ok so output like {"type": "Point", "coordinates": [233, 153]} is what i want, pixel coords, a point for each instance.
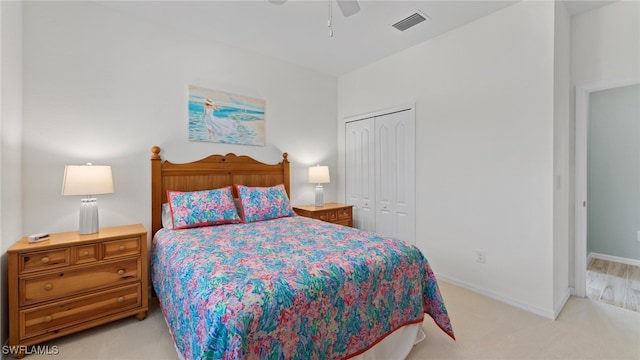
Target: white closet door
{"type": "Point", "coordinates": [395, 175]}
{"type": "Point", "coordinates": [360, 186]}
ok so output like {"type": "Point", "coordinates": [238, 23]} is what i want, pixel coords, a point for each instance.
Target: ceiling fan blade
{"type": "Point", "coordinates": [348, 7]}
{"type": "Point", "coordinates": [278, 2]}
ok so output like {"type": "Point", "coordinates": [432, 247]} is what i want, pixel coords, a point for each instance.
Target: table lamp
{"type": "Point", "coordinates": [319, 175]}
{"type": "Point", "coordinates": [87, 180]}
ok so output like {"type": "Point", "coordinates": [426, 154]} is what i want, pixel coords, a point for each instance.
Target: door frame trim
{"type": "Point", "coordinates": [582, 94]}
{"type": "Point", "coordinates": [411, 107]}
{"type": "Point", "coordinates": [391, 110]}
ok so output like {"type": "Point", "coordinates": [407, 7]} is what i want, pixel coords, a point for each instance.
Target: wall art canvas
{"type": "Point", "coordinates": [222, 117]}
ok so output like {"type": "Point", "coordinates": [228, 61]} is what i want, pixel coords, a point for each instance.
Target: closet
{"type": "Point", "coordinates": [380, 171]}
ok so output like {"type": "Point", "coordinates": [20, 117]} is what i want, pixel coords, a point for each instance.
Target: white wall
{"type": "Point", "coordinates": [484, 97]}
{"type": "Point", "coordinates": [10, 141]}
{"type": "Point", "coordinates": [562, 188]}
{"type": "Point", "coordinates": [605, 44]}
{"type": "Point", "coordinates": [104, 87]}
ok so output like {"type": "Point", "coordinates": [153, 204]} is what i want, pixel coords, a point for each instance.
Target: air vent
{"type": "Point", "coordinates": [411, 20]}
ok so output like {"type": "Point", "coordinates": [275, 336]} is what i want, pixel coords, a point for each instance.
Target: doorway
{"type": "Point", "coordinates": [583, 109]}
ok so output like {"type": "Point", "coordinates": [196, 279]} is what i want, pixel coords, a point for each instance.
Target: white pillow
{"type": "Point", "coordinates": [166, 216]}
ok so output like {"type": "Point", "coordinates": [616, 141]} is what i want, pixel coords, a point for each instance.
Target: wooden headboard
{"type": "Point", "coordinates": [212, 172]}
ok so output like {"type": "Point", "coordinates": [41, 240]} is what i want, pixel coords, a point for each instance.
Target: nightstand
{"type": "Point", "coordinates": [331, 212]}
{"type": "Point", "coordinates": [73, 282]}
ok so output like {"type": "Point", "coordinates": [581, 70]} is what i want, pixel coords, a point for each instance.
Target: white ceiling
{"type": "Point", "coordinates": [297, 31]}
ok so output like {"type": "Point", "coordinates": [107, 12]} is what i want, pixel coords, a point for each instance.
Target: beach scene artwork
{"type": "Point", "coordinates": [222, 117]}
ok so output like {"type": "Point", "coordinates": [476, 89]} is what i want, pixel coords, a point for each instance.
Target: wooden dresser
{"type": "Point", "coordinates": [330, 212]}
{"type": "Point", "coordinates": [73, 282]}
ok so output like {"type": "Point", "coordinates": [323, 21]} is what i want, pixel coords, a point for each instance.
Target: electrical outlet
{"type": "Point", "coordinates": [638, 236]}
{"type": "Point", "coordinates": [481, 256]}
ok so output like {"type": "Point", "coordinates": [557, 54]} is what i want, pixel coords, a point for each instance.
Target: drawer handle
{"type": "Point", "coordinates": [48, 286]}
{"type": "Point", "coordinates": [45, 259]}
{"type": "Point", "coordinates": [85, 253]}
{"type": "Point", "coordinates": [121, 248]}
{"type": "Point", "coordinates": [121, 272]}
{"type": "Point", "coordinates": [121, 299]}
{"type": "Point", "coordinates": [47, 319]}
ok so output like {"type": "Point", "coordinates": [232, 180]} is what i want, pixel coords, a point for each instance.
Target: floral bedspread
{"type": "Point", "coordinates": [292, 288]}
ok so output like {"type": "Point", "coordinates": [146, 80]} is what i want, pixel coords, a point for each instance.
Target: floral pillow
{"type": "Point", "coordinates": [202, 208]}
{"type": "Point", "coordinates": [263, 203]}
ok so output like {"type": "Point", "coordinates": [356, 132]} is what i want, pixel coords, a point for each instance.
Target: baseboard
{"type": "Point", "coordinates": [560, 305]}
{"type": "Point", "coordinates": [618, 259]}
{"type": "Point", "coordinates": [495, 296]}
{"type": "Point", "coordinates": [573, 291]}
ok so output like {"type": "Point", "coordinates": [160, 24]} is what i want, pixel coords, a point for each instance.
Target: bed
{"type": "Point", "coordinates": [280, 287]}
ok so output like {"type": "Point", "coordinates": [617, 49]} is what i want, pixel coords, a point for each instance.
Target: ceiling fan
{"type": "Point", "coordinates": [347, 7]}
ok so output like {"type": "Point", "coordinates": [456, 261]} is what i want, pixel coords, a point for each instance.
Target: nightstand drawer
{"type": "Point", "coordinates": [59, 284]}
{"type": "Point", "coordinates": [330, 216]}
{"type": "Point", "coordinates": [53, 317]}
{"type": "Point", "coordinates": [118, 248]}
{"type": "Point", "coordinates": [332, 212]}
{"type": "Point", "coordinates": [86, 253]}
{"type": "Point", "coordinates": [42, 260]}
{"type": "Point", "coordinates": [343, 222]}
{"type": "Point", "coordinates": [344, 214]}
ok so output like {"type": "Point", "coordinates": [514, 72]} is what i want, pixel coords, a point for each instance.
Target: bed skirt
{"type": "Point", "coordinates": [396, 345]}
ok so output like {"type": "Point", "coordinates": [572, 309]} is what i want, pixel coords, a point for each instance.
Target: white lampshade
{"type": "Point", "coordinates": [87, 180]}
{"type": "Point", "coordinates": [319, 174]}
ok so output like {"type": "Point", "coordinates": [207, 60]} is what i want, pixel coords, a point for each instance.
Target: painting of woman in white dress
{"type": "Point", "coordinates": [221, 117]}
{"type": "Point", "coordinates": [217, 127]}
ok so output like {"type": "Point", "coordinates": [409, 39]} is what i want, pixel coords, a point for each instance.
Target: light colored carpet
{"type": "Point", "coordinates": [485, 329]}
{"type": "Point", "coordinates": [488, 329]}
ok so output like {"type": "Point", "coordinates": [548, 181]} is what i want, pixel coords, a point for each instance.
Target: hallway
{"type": "Point", "coordinates": [614, 283]}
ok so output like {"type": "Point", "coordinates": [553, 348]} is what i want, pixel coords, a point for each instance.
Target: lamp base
{"type": "Point", "coordinates": [319, 196]}
{"type": "Point", "coordinates": [88, 216]}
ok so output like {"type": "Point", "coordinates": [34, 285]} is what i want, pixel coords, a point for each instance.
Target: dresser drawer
{"type": "Point", "coordinates": [74, 282]}
{"type": "Point", "coordinates": [41, 260]}
{"type": "Point", "coordinates": [118, 248]}
{"type": "Point", "coordinates": [63, 283]}
{"type": "Point", "coordinates": [53, 317]}
{"type": "Point", "coordinates": [85, 253]}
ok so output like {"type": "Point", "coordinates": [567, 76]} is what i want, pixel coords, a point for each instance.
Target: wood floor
{"type": "Point", "coordinates": [614, 283]}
